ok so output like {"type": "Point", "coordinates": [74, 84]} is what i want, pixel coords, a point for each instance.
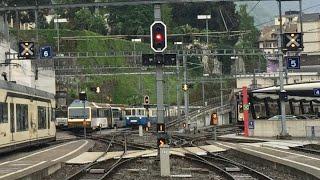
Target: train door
{"type": "Point", "coordinates": [33, 120]}
{"type": "Point", "coordinates": [110, 118]}
{"type": "Point", "coordinates": [12, 121]}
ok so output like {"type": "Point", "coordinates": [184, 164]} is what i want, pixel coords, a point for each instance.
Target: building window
{"type": "Point", "coordinates": [42, 123]}
{"type": "Point", "coordinates": [3, 112]}
{"type": "Point", "coordinates": [22, 117]}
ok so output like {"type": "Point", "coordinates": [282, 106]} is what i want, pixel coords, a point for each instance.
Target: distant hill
{"type": "Point", "coordinates": [266, 11]}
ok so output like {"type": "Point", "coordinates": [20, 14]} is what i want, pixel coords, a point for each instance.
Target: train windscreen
{"type": "Point", "coordinates": [77, 113]}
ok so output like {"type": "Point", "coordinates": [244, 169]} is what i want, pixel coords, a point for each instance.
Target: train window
{"type": "Point", "coordinates": [141, 112]}
{"type": "Point", "coordinates": [42, 120]}
{"type": "Point", "coordinates": [115, 113]}
{"type": "Point", "coordinates": [12, 125]}
{"type": "Point", "coordinates": [94, 113]}
{"type": "Point", "coordinates": [3, 112]}
{"type": "Point", "coordinates": [100, 113]}
{"type": "Point", "coordinates": [128, 112]}
{"type": "Point", "coordinates": [107, 113]}
{"type": "Point", "coordinates": [22, 117]}
{"type": "Point", "coordinates": [77, 113]}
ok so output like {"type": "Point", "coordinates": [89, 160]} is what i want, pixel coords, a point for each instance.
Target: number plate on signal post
{"type": "Point", "coordinates": [46, 52]}
{"type": "Point", "coordinates": [293, 62]}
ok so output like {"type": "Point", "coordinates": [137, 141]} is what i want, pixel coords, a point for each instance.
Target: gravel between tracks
{"type": "Point", "coordinates": [274, 171]}
{"type": "Point", "coordinates": [148, 168]}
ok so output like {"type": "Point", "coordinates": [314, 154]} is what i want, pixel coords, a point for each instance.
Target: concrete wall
{"type": "Point", "coordinates": [23, 73]}
{"type": "Point", "coordinates": [311, 37]}
{"type": "Point", "coordinates": [295, 128]}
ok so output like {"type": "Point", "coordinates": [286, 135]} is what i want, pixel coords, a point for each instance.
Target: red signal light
{"type": "Point", "coordinates": [159, 37]}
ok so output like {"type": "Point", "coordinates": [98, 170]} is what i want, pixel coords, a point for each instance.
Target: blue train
{"type": "Point", "coordinates": [134, 120]}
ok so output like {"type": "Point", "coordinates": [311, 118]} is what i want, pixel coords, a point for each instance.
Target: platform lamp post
{"type": "Point", "coordinates": [235, 58]}
{"type": "Point", "coordinates": [57, 21]}
{"type": "Point", "coordinates": [206, 17]}
{"type": "Point", "coordinates": [135, 60]}
{"type": "Point", "coordinates": [83, 98]}
{"type": "Point", "coordinates": [204, 103]}
{"type": "Point", "coordinates": [179, 43]}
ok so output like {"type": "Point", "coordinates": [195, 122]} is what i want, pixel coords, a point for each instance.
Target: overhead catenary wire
{"type": "Point", "coordinates": [254, 7]}
{"type": "Point", "coordinates": [266, 22]}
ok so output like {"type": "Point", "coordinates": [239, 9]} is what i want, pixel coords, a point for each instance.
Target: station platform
{"type": "Point", "coordinates": [88, 157]}
{"type": "Point", "coordinates": [65, 135]}
{"type": "Point", "coordinates": [277, 151]}
{"type": "Point", "coordinates": [34, 165]}
{"type": "Point", "coordinates": [265, 141]}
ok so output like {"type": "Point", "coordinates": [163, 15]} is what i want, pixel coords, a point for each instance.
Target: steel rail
{"type": "Point", "coordinates": [307, 150]}
{"type": "Point", "coordinates": [84, 170]}
{"type": "Point", "coordinates": [217, 157]}
{"type": "Point", "coordinates": [116, 165]}
{"type": "Point", "coordinates": [220, 160]}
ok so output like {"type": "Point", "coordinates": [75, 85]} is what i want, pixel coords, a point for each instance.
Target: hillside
{"type": "Point", "coordinates": [127, 89]}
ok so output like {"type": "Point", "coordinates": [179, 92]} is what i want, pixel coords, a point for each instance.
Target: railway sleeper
{"type": "Point", "coordinates": [232, 169]}
{"type": "Point", "coordinates": [97, 171]}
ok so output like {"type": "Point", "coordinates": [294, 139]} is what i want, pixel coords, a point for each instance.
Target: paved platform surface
{"type": "Point", "coordinates": [20, 166]}
{"type": "Point", "coordinates": [307, 163]}
{"type": "Point", "coordinates": [88, 157]}
{"type": "Point", "coordinates": [294, 140]}
{"type": "Point", "coordinates": [63, 135]}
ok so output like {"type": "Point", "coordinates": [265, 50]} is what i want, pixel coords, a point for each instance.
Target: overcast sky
{"type": "Point", "coordinates": [266, 11]}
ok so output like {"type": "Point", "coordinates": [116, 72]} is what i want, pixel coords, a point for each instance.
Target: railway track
{"type": "Point", "coordinates": [222, 165]}
{"type": "Point", "coordinates": [311, 149]}
{"type": "Point", "coordinates": [83, 171]}
{"type": "Point", "coordinates": [103, 170]}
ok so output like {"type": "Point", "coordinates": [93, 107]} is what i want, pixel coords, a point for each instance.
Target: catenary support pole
{"type": "Point", "coordinates": [282, 103]}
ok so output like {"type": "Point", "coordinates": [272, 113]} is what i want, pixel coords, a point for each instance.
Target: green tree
{"type": "Point", "coordinates": [82, 19]}
{"type": "Point", "coordinates": [249, 39]}
{"type": "Point", "coordinates": [70, 13]}
{"type": "Point", "coordinates": [85, 20]}
{"type": "Point", "coordinates": [29, 16]}
{"type": "Point", "coordinates": [187, 14]}
{"type": "Point", "coordinates": [130, 20]}
{"type": "Point", "coordinates": [98, 24]}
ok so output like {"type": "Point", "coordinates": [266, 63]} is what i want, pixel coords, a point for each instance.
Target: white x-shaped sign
{"type": "Point", "coordinates": [27, 49]}
{"type": "Point", "coordinates": [293, 40]}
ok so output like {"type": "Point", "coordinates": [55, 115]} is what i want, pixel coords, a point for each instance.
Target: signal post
{"type": "Point", "coordinates": [158, 32]}
{"type": "Point", "coordinates": [214, 122]}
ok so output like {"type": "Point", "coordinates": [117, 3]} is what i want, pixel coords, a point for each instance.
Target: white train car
{"type": "Point", "coordinates": [96, 115]}
{"type": "Point", "coordinates": [118, 116]}
{"type": "Point", "coordinates": [26, 116]}
{"type": "Point", "coordinates": [61, 118]}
